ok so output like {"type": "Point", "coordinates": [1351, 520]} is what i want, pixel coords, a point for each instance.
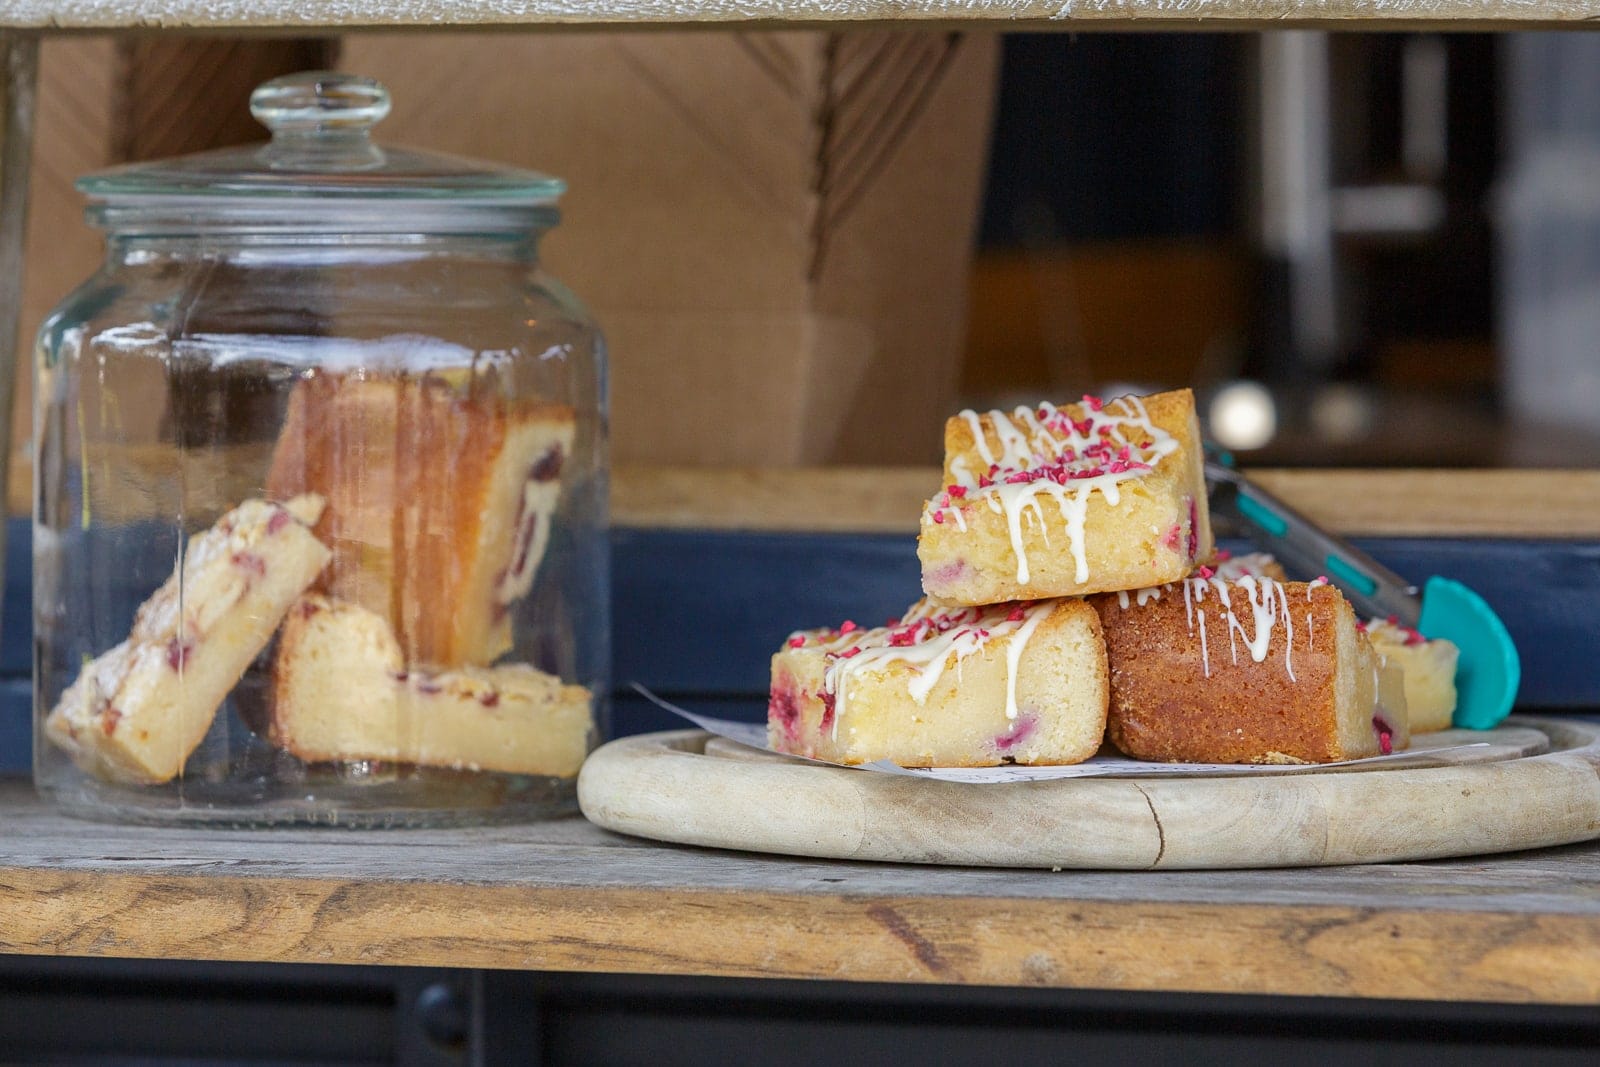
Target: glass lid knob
{"type": "Point", "coordinates": [319, 101]}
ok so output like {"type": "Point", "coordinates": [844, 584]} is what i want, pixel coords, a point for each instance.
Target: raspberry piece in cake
{"type": "Point", "coordinates": [946, 686]}
{"type": "Point", "coordinates": [136, 712]}
{"type": "Point", "coordinates": [1049, 501]}
{"type": "Point", "coordinates": [341, 691]}
{"type": "Point", "coordinates": [1249, 671]}
{"type": "Point", "coordinates": [1429, 668]}
{"type": "Point", "coordinates": [439, 502]}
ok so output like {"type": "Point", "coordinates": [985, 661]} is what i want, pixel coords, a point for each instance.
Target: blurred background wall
{"type": "Point", "coordinates": [810, 247]}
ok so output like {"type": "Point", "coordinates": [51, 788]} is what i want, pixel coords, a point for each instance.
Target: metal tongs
{"type": "Point", "coordinates": [1489, 669]}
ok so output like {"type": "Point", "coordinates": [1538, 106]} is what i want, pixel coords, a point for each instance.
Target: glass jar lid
{"type": "Point", "coordinates": [320, 170]}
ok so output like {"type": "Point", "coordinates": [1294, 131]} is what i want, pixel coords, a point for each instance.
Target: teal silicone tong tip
{"type": "Point", "coordinates": [1490, 670]}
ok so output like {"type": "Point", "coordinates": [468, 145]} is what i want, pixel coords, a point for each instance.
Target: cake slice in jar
{"type": "Point", "coordinates": [1046, 502]}
{"type": "Point", "coordinates": [1255, 670]}
{"type": "Point", "coordinates": [946, 686]}
{"type": "Point", "coordinates": [136, 712]}
{"type": "Point", "coordinates": [440, 502]}
{"type": "Point", "coordinates": [341, 691]}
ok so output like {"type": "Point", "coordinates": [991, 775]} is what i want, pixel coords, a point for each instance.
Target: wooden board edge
{"type": "Point", "coordinates": [660, 786]}
{"type": "Point", "coordinates": [1194, 948]}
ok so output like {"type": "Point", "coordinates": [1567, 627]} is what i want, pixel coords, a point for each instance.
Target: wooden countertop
{"type": "Point", "coordinates": [1006, 14]}
{"type": "Point", "coordinates": [568, 896]}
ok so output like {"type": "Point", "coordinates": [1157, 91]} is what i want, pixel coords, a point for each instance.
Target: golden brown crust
{"type": "Point", "coordinates": [1173, 699]}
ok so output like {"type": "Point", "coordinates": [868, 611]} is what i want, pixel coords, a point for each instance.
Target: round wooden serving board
{"type": "Point", "coordinates": [1536, 784]}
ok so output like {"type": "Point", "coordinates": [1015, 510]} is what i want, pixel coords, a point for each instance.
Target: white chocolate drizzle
{"type": "Point", "coordinates": [1045, 452]}
{"type": "Point", "coordinates": [1142, 596]}
{"type": "Point", "coordinates": [1268, 600]}
{"type": "Point", "coordinates": [927, 638]}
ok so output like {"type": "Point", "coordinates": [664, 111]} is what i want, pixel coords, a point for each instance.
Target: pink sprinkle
{"type": "Point", "coordinates": [1206, 572]}
{"type": "Point", "coordinates": [1016, 614]}
{"type": "Point", "coordinates": [1223, 555]}
{"type": "Point", "coordinates": [851, 652]}
{"type": "Point", "coordinates": [279, 520]}
{"type": "Point", "coordinates": [892, 622]}
{"type": "Point", "coordinates": [957, 491]}
{"type": "Point", "coordinates": [984, 482]}
{"type": "Point", "coordinates": [1361, 626]}
{"type": "Point", "coordinates": [938, 517]}
{"type": "Point", "coordinates": [489, 699]}
{"type": "Point", "coordinates": [1093, 403]}
{"type": "Point", "coordinates": [847, 627]}
{"type": "Point", "coordinates": [1415, 638]}
{"type": "Point", "coordinates": [797, 641]}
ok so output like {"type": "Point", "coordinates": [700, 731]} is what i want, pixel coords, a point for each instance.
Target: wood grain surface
{"type": "Point", "coordinates": [1013, 14]}
{"type": "Point", "coordinates": [1467, 503]}
{"type": "Point", "coordinates": [1440, 503]}
{"type": "Point", "coordinates": [566, 895]}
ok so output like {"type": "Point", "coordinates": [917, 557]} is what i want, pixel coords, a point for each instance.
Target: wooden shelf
{"type": "Point", "coordinates": [1003, 14]}
{"type": "Point", "coordinates": [1383, 503]}
{"type": "Point", "coordinates": [568, 896]}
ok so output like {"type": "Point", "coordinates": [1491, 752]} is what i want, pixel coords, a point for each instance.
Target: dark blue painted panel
{"type": "Point", "coordinates": [698, 613]}
{"type": "Point", "coordinates": [16, 611]}
{"type": "Point", "coordinates": [701, 613]}
{"type": "Point", "coordinates": [16, 726]}
{"type": "Point", "coordinates": [1547, 593]}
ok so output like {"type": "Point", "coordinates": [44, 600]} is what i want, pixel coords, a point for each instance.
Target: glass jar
{"type": "Point", "coordinates": [320, 524]}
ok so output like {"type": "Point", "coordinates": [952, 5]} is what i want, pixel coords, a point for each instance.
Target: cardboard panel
{"type": "Point", "coordinates": [772, 228]}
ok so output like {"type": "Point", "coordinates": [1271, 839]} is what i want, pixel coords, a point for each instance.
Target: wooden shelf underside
{"type": "Point", "coordinates": [759, 14]}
